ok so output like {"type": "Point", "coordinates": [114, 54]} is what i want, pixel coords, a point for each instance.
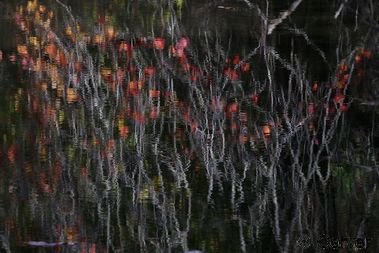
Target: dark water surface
{"type": "Point", "coordinates": [189, 126]}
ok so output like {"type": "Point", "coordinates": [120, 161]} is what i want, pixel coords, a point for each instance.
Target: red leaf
{"type": "Point", "coordinates": [339, 99]}
{"type": "Point", "coordinates": [159, 43]}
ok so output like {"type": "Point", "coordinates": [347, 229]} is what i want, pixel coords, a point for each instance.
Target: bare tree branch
{"type": "Point", "coordinates": [282, 17]}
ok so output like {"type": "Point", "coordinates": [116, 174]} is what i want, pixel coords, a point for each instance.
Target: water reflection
{"type": "Point", "coordinates": [122, 139]}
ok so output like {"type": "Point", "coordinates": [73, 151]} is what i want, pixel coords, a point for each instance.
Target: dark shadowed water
{"type": "Point", "coordinates": [189, 126]}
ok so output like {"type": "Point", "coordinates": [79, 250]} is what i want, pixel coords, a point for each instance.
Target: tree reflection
{"type": "Point", "coordinates": [166, 142]}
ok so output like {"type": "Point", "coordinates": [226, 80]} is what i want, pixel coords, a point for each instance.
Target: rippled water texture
{"type": "Point", "coordinates": [189, 126]}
